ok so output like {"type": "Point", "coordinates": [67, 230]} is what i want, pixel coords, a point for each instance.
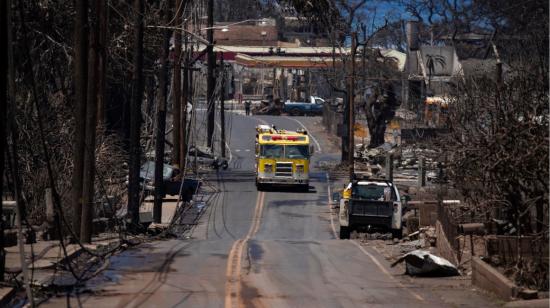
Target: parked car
{"type": "Point", "coordinates": [171, 180]}
{"type": "Point", "coordinates": [313, 106]}
{"type": "Point", "coordinates": [205, 157]}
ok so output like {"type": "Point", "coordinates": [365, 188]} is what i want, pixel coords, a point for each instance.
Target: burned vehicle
{"type": "Point", "coordinates": [171, 181]}
{"type": "Point", "coordinates": [204, 156]}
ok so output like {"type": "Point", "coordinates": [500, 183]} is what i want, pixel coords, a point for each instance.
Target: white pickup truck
{"type": "Point", "coordinates": [370, 203]}
{"type": "Point", "coordinates": [313, 106]}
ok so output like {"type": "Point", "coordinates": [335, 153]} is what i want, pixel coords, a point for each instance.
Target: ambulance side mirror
{"type": "Point", "coordinates": [311, 150]}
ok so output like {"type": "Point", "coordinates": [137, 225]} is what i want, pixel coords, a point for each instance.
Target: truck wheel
{"type": "Point", "coordinates": [397, 233]}
{"type": "Point", "coordinates": [344, 233]}
{"type": "Point", "coordinates": [260, 187]}
{"type": "Point", "coordinates": [295, 112]}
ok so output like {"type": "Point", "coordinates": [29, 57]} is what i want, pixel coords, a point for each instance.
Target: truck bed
{"type": "Point", "coordinates": [360, 207]}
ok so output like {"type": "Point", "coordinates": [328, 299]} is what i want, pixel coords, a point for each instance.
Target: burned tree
{"type": "Point", "coordinates": [380, 109]}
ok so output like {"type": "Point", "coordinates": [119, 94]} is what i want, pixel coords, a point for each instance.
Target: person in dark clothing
{"type": "Point", "coordinates": [247, 107]}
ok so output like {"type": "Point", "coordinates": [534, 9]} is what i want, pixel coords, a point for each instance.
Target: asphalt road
{"type": "Point", "coordinates": [262, 249]}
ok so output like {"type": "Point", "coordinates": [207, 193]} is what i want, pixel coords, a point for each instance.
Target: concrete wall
{"type": "Point", "coordinates": [444, 249]}
{"type": "Point", "coordinates": [489, 279]}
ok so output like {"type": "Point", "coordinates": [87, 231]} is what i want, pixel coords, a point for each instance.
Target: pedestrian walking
{"type": "Point", "coordinates": [247, 107]}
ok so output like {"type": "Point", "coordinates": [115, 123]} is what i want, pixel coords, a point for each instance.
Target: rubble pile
{"type": "Point", "coordinates": [409, 157]}
{"type": "Point", "coordinates": [374, 155]}
{"type": "Point", "coordinates": [423, 263]}
{"type": "Point", "coordinates": [405, 114]}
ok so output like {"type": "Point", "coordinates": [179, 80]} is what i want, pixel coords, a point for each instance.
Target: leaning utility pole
{"type": "Point", "coordinates": [91, 124]}
{"type": "Point", "coordinates": [351, 102]}
{"type": "Point", "coordinates": [176, 84]}
{"type": "Point", "coordinates": [80, 88]}
{"type": "Point", "coordinates": [13, 160]}
{"type": "Point", "coordinates": [135, 115]}
{"type": "Point", "coordinates": [161, 119]}
{"type": "Point", "coordinates": [210, 78]}
{"type": "Point", "coordinates": [222, 107]}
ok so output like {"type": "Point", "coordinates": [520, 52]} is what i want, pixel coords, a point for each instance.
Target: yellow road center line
{"type": "Point", "coordinates": [233, 270]}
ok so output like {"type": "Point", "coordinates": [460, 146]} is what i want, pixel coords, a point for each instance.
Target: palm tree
{"type": "Point", "coordinates": [431, 62]}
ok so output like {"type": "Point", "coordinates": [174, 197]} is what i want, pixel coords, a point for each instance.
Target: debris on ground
{"type": "Point", "coordinates": [374, 155]}
{"type": "Point", "coordinates": [379, 236]}
{"type": "Point", "coordinates": [269, 107]}
{"type": "Point", "coordinates": [423, 263]}
{"type": "Point", "coordinates": [409, 246]}
{"type": "Point", "coordinates": [422, 238]}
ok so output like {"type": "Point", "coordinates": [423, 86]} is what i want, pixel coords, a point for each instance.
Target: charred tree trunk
{"type": "Point", "coordinates": [161, 119]}
{"type": "Point", "coordinates": [135, 115]}
{"type": "Point", "coordinates": [80, 88]}
{"type": "Point", "coordinates": [379, 109]}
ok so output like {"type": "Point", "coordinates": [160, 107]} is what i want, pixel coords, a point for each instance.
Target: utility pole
{"type": "Point", "coordinates": [80, 89]}
{"type": "Point", "coordinates": [4, 26]}
{"type": "Point", "coordinates": [421, 172]}
{"type": "Point", "coordinates": [161, 120]}
{"type": "Point", "coordinates": [90, 131]}
{"type": "Point", "coordinates": [13, 160]}
{"type": "Point", "coordinates": [103, 17]}
{"type": "Point", "coordinates": [183, 111]}
{"type": "Point", "coordinates": [210, 80]}
{"type": "Point", "coordinates": [176, 97]}
{"type": "Point", "coordinates": [222, 107]}
{"type": "Point", "coordinates": [351, 102]}
{"type": "Point", "coordinates": [193, 119]}
{"type": "Point", "coordinates": [135, 115]}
